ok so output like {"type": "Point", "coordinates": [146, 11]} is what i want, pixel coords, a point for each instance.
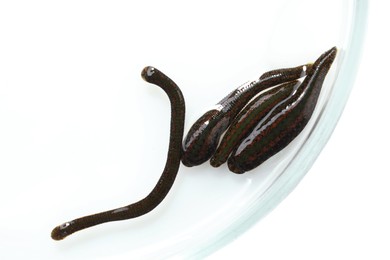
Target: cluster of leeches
{"type": "Point", "coordinates": [256, 120]}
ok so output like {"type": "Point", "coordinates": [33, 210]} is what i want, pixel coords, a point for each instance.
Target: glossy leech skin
{"type": "Point", "coordinates": [286, 121]}
{"type": "Point", "coordinates": [249, 117]}
{"type": "Point", "coordinates": [164, 184]}
{"type": "Point", "coordinates": [274, 119]}
{"type": "Point", "coordinates": [204, 135]}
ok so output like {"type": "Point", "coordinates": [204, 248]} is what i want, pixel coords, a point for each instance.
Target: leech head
{"type": "Point", "coordinates": [306, 68]}
{"type": "Point", "coordinates": [147, 73]}
{"type": "Point", "coordinates": [62, 231]}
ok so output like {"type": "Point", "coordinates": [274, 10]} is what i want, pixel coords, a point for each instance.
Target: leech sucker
{"type": "Point", "coordinates": [204, 135]}
{"type": "Point", "coordinates": [287, 120]}
{"type": "Point", "coordinates": [164, 184]}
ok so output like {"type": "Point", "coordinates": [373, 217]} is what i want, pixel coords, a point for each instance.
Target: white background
{"type": "Point", "coordinates": [341, 209]}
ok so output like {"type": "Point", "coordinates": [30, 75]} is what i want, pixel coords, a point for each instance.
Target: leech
{"type": "Point", "coordinates": [164, 184]}
{"type": "Point", "coordinates": [278, 128]}
{"type": "Point", "coordinates": [249, 117]}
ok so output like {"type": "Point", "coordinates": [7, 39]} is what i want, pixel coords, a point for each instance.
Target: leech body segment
{"type": "Point", "coordinates": [260, 119]}
{"type": "Point", "coordinates": [164, 184]}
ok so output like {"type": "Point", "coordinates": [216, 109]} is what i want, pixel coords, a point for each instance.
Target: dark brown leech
{"type": "Point", "coordinates": [249, 117]}
{"type": "Point", "coordinates": [287, 120]}
{"type": "Point", "coordinates": [167, 178]}
{"type": "Point", "coordinates": [203, 137]}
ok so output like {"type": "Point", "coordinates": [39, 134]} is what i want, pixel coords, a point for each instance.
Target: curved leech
{"type": "Point", "coordinates": [164, 184]}
{"type": "Point", "coordinates": [203, 137]}
{"type": "Point", "coordinates": [288, 119]}
{"type": "Point", "coordinates": [249, 117]}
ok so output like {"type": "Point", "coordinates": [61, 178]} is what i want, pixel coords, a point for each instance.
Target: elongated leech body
{"type": "Point", "coordinates": [203, 137]}
{"type": "Point", "coordinates": [285, 122]}
{"type": "Point", "coordinates": [249, 117]}
{"type": "Point", "coordinates": [164, 184]}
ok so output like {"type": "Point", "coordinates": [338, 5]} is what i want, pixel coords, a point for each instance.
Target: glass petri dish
{"type": "Point", "coordinates": [208, 49]}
